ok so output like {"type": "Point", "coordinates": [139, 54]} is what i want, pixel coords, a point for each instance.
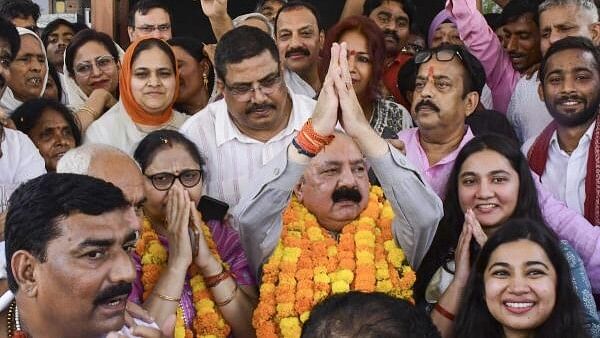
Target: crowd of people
{"type": "Point", "coordinates": [369, 179]}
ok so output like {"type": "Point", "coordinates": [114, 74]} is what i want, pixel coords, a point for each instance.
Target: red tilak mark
{"type": "Point", "coordinates": [352, 52]}
{"type": "Point", "coordinates": [430, 71]}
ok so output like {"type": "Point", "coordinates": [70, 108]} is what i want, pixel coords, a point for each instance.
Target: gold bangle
{"type": "Point", "coordinates": [231, 297]}
{"type": "Point", "coordinates": [167, 298]}
{"type": "Point", "coordinates": [88, 110]}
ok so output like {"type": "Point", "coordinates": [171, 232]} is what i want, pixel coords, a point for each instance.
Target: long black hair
{"type": "Point", "coordinates": [566, 319]}
{"type": "Point", "coordinates": [450, 227]}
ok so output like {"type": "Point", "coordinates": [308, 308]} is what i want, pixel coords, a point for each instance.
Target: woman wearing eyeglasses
{"type": "Point", "coordinates": [366, 54]}
{"type": "Point", "coordinates": [148, 86]}
{"type": "Point", "coordinates": [186, 268]}
{"type": "Point", "coordinates": [91, 78]}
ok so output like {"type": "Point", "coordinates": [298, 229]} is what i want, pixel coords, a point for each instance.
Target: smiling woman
{"type": "Point", "coordinates": [148, 85]}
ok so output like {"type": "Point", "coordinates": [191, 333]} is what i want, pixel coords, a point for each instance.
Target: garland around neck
{"type": "Point", "coordinates": [308, 265]}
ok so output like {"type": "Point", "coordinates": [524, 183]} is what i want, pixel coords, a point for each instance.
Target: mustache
{"type": "Point", "coordinates": [300, 50]}
{"type": "Point", "coordinates": [112, 292]}
{"type": "Point", "coordinates": [261, 106]}
{"type": "Point", "coordinates": [346, 194]}
{"type": "Point", "coordinates": [391, 33]}
{"type": "Point", "coordinates": [573, 97]}
{"type": "Point", "coordinates": [427, 103]}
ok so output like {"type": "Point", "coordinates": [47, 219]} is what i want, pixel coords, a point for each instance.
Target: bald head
{"type": "Point", "coordinates": [109, 164]}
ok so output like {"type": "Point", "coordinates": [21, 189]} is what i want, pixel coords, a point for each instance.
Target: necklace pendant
{"type": "Point", "coordinates": [19, 334]}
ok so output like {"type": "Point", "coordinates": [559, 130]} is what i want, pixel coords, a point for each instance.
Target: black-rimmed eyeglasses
{"type": "Point", "coordinates": [443, 55]}
{"type": "Point", "coordinates": [164, 181]}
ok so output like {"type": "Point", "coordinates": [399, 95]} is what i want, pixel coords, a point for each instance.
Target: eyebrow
{"type": "Point", "coordinates": [527, 263]}
{"type": "Point", "coordinates": [259, 80]}
{"type": "Point", "coordinates": [493, 172]}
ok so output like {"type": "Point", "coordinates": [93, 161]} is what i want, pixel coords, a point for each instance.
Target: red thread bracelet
{"type": "Point", "coordinates": [447, 314]}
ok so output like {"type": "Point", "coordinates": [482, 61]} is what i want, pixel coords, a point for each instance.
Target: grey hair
{"type": "Point", "coordinates": [239, 21]}
{"type": "Point", "coordinates": [585, 5]}
{"type": "Point", "coordinates": [77, 160]}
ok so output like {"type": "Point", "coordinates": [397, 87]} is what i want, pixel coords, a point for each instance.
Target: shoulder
{"type": "Point", "coordinates": [205, 118]}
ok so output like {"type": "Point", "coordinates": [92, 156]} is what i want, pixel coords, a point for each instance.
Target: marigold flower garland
{"type": "Point", "coordinates": [308, 265]}
{"type": "Point", "coordinates": [208, 321]}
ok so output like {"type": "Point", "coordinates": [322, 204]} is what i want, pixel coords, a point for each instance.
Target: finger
{"type": "Point", "coordinates": [335, 56]}
{"type": "Point", "coordinates": [344, 68]}
{"type": "Point", "coordinates": [146, 332]}
{"type": "Point", "coordinates": [115, 335]}
{"type": "Point", "coordinates": [138, 312]}
{"type": "Point", "coordinates": [169, 211]}
{"type": "Point", "coordinates": [168, 326]}
{"type": "Point", "coordinates": [398, 144]}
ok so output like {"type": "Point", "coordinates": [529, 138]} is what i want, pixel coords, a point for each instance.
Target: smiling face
{"type": "Point", "coordinates": [53, 136]}
{"type": "Point", "coordinates": [335, 186]}
{"type": "Point", "coordinates": [58, 41]}
{"type": "Point", "coordinates": [299, 40]}
{"type": "Point", "coordinates": [153, 80]}
{"type": "Point", "coordinates": [84, 283]}
{"type": "Point", "coordinates": [520, 286]}
{"type": "Point", "coordinates": [522, 42]}
{"type": "Point", "coordinates": [570, 87]}
{"type": "Point", "coordinates": [489, 185]}
{"type": "Point", "coordinates": [88, 75]}
{"type": "Point", "coordinates": [29, 69]}
{"type": "Point", "coordinates": [172, 160]}
{"type": "Point", "coordinates": [359, 61]}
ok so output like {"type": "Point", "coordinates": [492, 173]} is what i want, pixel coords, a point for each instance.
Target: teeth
{"type": "Point", "coordinates": [114, 302]}
{"type": "Point", "coordinates": [486, 206]}
{"type": "Point", "coordinates": [570, 103]}
{"type": "Point", "coordinates": [519, 305]}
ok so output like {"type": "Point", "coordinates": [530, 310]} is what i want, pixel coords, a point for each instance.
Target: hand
{"type": "Point", "coordinates": [462, 255]}
{"type": "Point", "coordinates": [398, 144]}
{"type": "Point", "coordinates": [166, 331]}
{"type": "Point", "coordinates": [476, 228]}
{"type": "Point", "coordinates": [214, 8]}
{"type": "Point", "coordinates": [325, 115]}
{"type": "Point", "coordinates": [204, 256]}
{"type": "Point", "coordinates": [353, 119]}
{"type": "Point", "coordinates": [177, 218]}
{"type": "Point", "coordinates": [5, 120]}
{"type": "Point", "coordinates": [531, 70]}
{"type": "Point", "coordinates": [103, 96]}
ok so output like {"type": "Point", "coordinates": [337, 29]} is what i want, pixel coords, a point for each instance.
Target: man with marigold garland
{"type": "Point", "coordinates": [335, 235]}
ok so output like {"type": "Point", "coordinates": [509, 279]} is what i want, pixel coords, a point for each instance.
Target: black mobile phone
{"type": "Point", "coordinates": [212, 208]}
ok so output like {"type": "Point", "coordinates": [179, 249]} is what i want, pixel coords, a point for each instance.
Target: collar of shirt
{"type": "Point", "coordinates": [226, 130]}
{"type": "Point", "coordinates": [584, 141]}
{"type": "Point", "coordinates": [452, 155]}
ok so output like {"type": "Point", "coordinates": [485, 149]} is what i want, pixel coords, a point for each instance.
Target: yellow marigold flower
{"type": "Point", "coordinates": [332, 251]}
{"type": "Point", "coordinates": [322, 278]}
{"type": "Point", "coordinates": [314, 234]}
{"type": "Point", "coordinates": [285, 309]}
{"type": "Point", "coordinates": [290, 327]}
{"type": "Point", "coordinates": [364, 257]}
{"type": "Point", "coordinates": [345, 275]}
{"type": "Point", "coordinates": [377, 190]}
{"type": "Point", "coordinates": [387, 211]}
{"type": "Point", "coordinates": [339, 286]}
{"type": "Point", "coordinates": [382, 274]}
{"type": "Point", "coordinates": [395, 257]}
{"type": "Point", "coordinates": [367, 220]}
{"type": "Point", "coordinates": [205, 306]}
{"type": "Point", "coordinates": [384, 286]}
{"type": "Point", "coordinates": [304, 316]}
{"type": "Point", "coordinates": [389, 245]}
{"type": "Point", "coordinates": [267, 288]}
{"type": "Point", "coordinates": [364, 234]}
{"type": "Point", "coordinates": [320, 295]}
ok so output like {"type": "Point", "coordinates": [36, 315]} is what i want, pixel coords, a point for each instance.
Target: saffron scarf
{"type": "Point", "coordinates": [134, 109]}
{"type": "Point", "coordinates": [538, 156]}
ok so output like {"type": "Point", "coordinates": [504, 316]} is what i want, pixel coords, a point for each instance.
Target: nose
{"type": "Point", "coordinates": [95, 70]}
{"type": "Point", "coordinates": [257, 95]}
{"type": "Point", "coordinates": [352, 63]}
{"type": "Point", "coordinates": [484, 190]}
{"type": "Point", "coordinates": [347, 178]}
{"type": "Point", "coordinates": [123, 269]}
{"type": "Point", "coordinates": [568, 85]}
{"type": "Point", "coordinates": [36, 65]}
{"type": "Point", "coordinates": [156, 34]}
{"type": "Point", "coordinates": [154, 80]}
{"type": "Point", "coordinates": [518, 285]}
{"type": "Point", "coordinates": [511, 43]}
{"type": "Point", "coordinates": [555, 36]}
{"type": "Point", "coordinates": [133, 219]}
{"type": "Point", "coordinates": [60, 140]}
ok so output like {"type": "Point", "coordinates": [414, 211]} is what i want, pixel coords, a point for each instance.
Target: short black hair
{"type": "Point", "coordinates": [52, 26]}
{"type": "Point", "coordinates": [27, 115]}
{"type": "Point", "coordinates": [83, 37]}
{"type": "Point", "coordinates": [36, 208]}
{"type": "Point", "coordinates": [475, 79]}
{"type": "Point", "coordinates": [242, 43]}
{"type": "Point", "coordinates": [195, 48]}
{"type": "Point", "coordinates": [493, 20]}
{"type": "Point", "coordinates": [295, 5]}
{"type": "Point", "coordinates": [408, 6]}
{"type": "Point", "coordinates": [261, 3]}
{"type": "Point", "coordinates": [9, 33]}
{"type": "Point", "coordinates": [407, 76]}
{"type": "Point", "coordinates": [11, 9]}
{"type": "Point", "coordinates": [570, 42]}
{"type": "Point", "coordinates": [518, 8]}
{"type": "Point", "coordinates": [164, 138]}
{"type": "Point", "coordinates": [143, 6]}
{"type": "Point", "coordinates": [369, 315]}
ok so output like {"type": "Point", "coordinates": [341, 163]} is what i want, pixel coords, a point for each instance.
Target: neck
{"type": "Point", "coordinates": [311, 76]}
{"type": "Point", "coordinates": [568, 137]}
{"type": "Point", "coordinates": [196, 103]}
{"type": "Point", "coordinates": [264, 135]}
{"type": "Point", "coordinates": [367, 107]}
{"type": "Point", "coordinates": [439, 143]}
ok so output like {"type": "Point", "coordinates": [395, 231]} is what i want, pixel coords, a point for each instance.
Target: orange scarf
{"type": "Point", "coordinates": [134, 109]}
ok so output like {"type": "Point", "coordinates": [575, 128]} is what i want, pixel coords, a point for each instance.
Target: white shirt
{"type": "Point", "coordinates": [297, 85]}
{"type": "Point", "coordinates": [486, 98]}
{"type": "Point", "coordinates": [526, 112]}
{"type": "Point", "coordinates": [233, 158]}
{"type": "Point", "coordinates": [20, 162]}
{"type": "Point", "coordinates": [564, 175]}
{"type": "Point", "coordinates": [117, 129]}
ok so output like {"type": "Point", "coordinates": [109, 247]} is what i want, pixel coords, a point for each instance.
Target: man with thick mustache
{"type": "Point", "coordinates": [67, 252]}
{"type": "Point", "coordinates": [255, 121]}
{"type": "Point", "coordinates": [446, 91]}
{"type": "Point", "coordinates": [565, 154]}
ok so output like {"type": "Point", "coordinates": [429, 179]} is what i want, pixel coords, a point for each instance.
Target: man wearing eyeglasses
{"type": "Point", "coordinates": [149, 19]}
{"type": "Point", "coordinates": [255, 121]}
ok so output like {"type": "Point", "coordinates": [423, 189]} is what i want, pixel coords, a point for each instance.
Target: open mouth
{"type": "Point", "coordinates": [34, 82]}
{"type": "Point", "coordinates": [487, 207]}
{"type": "Point", "coordinates": [518, 307]}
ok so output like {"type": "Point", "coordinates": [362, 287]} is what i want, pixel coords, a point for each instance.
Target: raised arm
{"type": "Point", "coordinates": [501, 77]}
{"type": "Point", "coordinates": [216, 11]}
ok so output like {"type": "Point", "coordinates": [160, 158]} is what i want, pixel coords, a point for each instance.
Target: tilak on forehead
{"type": "Point", "coordinates": [430, 72]}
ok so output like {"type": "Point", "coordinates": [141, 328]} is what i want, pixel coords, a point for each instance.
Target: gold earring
{"type": "Point", "coordinates": [205, 79]}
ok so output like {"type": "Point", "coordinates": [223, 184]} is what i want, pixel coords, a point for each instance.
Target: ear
{"type": "Point", "coordinates": [471, 101]}
{"type": "Point", "coordinates": [298, 189]}
{"type": "Point", "coordinates": [205, 66]}
{"type": "Point", "coordinates": [540, 91]}
{"type": "Point", "coordinates": [595, 33]}
{"type": "Point", "coordinates": [220, 86]}
{"type": "Point", "coordinates": [130, 33]}
{"type": "Point", "coordinates": [24, 267]}
{"type": "Point", "coordinates": [321, 39]}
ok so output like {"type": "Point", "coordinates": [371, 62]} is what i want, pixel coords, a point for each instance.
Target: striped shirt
{"type": "Point", "coordinates": [233, 159]}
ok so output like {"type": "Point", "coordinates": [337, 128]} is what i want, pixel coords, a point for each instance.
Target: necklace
{"type": "Point", "coordinates": [13, 325]}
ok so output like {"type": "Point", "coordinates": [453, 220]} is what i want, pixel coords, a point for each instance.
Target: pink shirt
{"type": "Point", "coordinates": [566, 223]}
{"type": "Point", "coordinates": [483, 43]}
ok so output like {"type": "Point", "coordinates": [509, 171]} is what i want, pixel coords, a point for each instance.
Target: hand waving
{"type": "Point", "coordinates": [214, 8]}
